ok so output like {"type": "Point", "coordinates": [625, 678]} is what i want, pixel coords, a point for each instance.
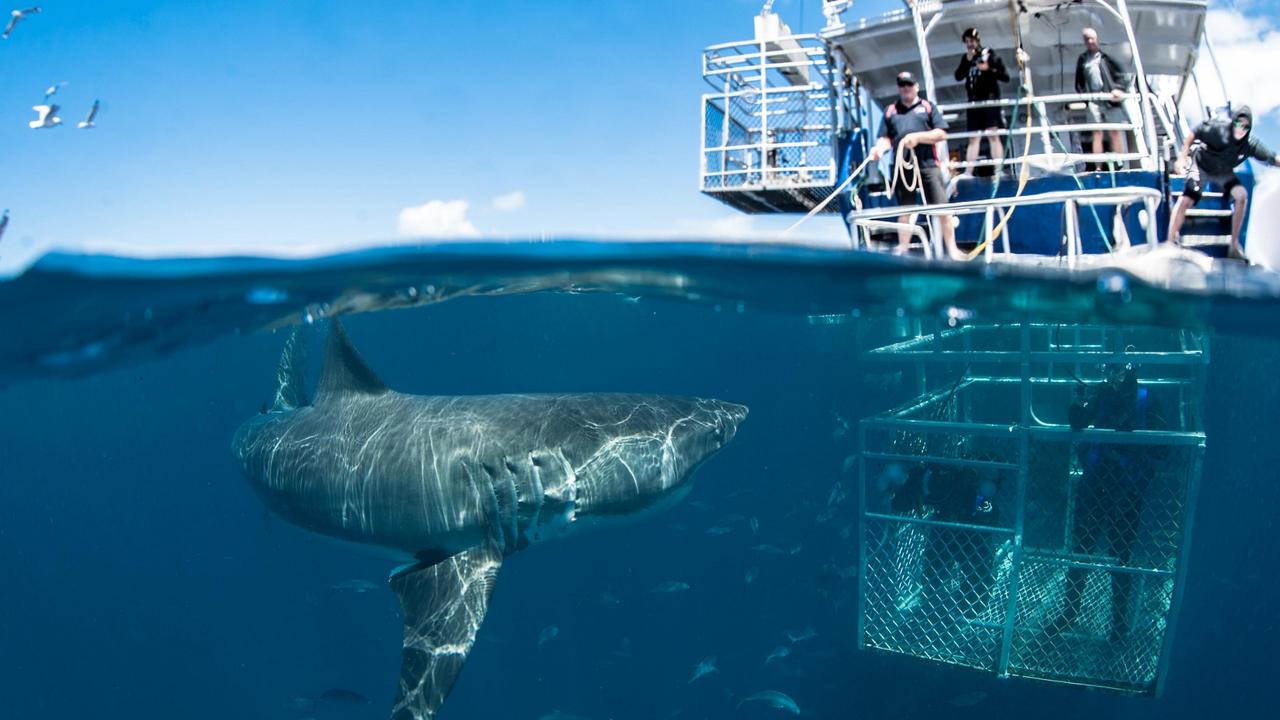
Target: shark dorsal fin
{"type": "Point", "coordinates": [291, 391]}
{"type": "Point", "coordinates": [345, 372]}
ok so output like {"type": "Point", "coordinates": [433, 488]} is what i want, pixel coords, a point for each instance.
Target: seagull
{"type": "Point", "coordinates": [52, 90]}
{"type": "Point", "coordinates": [48, 117]}
{"type": "Point", "coordinates": [88, 122]}
{"type": "Point", "coordinates": [15, 16]}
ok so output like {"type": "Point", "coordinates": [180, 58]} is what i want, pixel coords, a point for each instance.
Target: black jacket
{"type": "Point", "coordinates": [982, 85]}
{"type": "Point", "coordinates": [1113, 77]}
{"type": "Point", "coordinates": [1217, 151]}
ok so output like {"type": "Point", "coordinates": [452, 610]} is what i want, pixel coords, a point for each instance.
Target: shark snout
{"type": "Point", "coordinates": [728, 417]}
{"type": "Point", "coordinates": [715, 423]}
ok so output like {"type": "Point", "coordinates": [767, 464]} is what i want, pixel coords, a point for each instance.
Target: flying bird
{"type": "Point", "coordinates": [48, 117]}
{"type": "Point", "coordinates": [88, 121]}
{"type": "Point", "coordinates": [15, 16]}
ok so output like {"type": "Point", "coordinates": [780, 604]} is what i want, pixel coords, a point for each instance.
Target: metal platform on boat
{"type": "Point", "coordinates": [1073, 571]}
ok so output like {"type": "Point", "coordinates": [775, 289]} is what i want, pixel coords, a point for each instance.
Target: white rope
{"type": "Point", "coordinates": [902, 164]}
{"type": "Point", "coordinates": [830, 197]}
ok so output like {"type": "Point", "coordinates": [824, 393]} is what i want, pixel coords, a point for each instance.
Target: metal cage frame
{"type": "Point", "coordinates": [993, 595]}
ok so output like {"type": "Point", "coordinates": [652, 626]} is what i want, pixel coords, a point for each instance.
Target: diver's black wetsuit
{"type": "Point", "coordinates": [955, 496]}
{"type": "Point", "coordinates": [1109, 497]}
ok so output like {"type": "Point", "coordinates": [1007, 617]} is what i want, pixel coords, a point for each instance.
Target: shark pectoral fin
{"type": "Point", "coordinates": [444, 605]}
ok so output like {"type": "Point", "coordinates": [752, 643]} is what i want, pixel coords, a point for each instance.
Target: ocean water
{"type": "Point", "coordinates": [141, 577]}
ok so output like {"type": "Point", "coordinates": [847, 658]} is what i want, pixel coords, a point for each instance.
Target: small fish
{"type": "Point", "coordinates": [609, 598]}
{"type": "Point", "coordinates": [706, 667]}
{"type": "Point", "coordinates": [671, 586]}
{"type": "Point", "coordinates": [837, 494]}
{"type": "Point", "coordinates": [548, 633]}
{"type": "Point", "coordinates": [719, 530]}
{"type": "Point", "coordinates": [808, 633]}
{"type": "Point", "coordinates": [883, 381]}
{"type": "Point", "coordinates": [752, 574]}
{"type": "Point", "coordinates": [795, 549]}
{"type": "Point", "coordinates": [847, 465]}
{"type": "Point", "coordinates": [699, 504]}
{"type": "Point", "coordinates": [342, 696]}
{"type": "Point", "coordinates": [333, 696]}
{"type": "Point", "coordinates": [730, 519]}
{"type": "Point", "coordinates": [774, 699]}
{"type": "Point", "coordinates": [768, 549]}
{"type": "Point", "coordinates": [355, 586]}
{"type": "Point", "coordinates": [841, 428]}
{"type": "Point", "coordinates": [778, 653]}
{"type": "Point", "coordinates": [561, 715]}
{"type": "Point", "coordinates": [968, 699]}
{"type": "Point", "coordinates": [755, 525]}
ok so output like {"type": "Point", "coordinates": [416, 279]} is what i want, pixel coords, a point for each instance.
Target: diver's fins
{"type": "Point", "coordinates": [444, 605]}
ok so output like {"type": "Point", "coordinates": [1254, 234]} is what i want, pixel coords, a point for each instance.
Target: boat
{"type": "Point", "coordinates": [1038, 589]}
{"type": "Point", "coordinates": [790, 117]}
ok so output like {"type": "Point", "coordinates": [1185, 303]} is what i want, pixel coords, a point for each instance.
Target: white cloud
{"type": "Point", "coordinates": [1241, 43]}
{"type": "Point", "coordinates": [437, 218]}
{"type": "Point", "coordinates": [728, 227]}
{"type": "Point", "coordinates": [510, 202]}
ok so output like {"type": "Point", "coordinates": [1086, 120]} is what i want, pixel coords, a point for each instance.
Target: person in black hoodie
{"type": "Point", "coordinates": [982, 72]}
{"type": "Point", "coordinates": [1216, 148]}
{"type": "Point", "coordinates": [1098, 72]}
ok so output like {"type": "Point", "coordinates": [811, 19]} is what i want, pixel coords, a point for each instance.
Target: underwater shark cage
{"type": "Point", "coordinates": [1029, 511]}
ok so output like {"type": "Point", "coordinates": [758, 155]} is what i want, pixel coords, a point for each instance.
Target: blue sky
{"type": "Point", "coordinates": [284, 124]}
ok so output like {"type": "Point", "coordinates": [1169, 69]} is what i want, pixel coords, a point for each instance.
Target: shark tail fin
{"type": "Point", "coordinates": [443, 605]}
{"type": "Point", "coordinates": [291, 391]}
{"type": "Point", "coordinates": [345, 372]}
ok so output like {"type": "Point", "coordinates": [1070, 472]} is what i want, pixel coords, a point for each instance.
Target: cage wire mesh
{"type": "Point", "coordinates": [1023, 548]}
{"type": "Point", "coordinates": [768, 130]}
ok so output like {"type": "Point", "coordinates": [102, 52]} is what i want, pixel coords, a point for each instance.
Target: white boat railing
{"type": "Point", "coordinates": [1057, 147]}
{"type": "Point", "coordinates": [867, 220]}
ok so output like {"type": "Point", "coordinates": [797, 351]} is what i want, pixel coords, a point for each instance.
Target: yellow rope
{"type": "Point", "coordinates": [1024, 174]}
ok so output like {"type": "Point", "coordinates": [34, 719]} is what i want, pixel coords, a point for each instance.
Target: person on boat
{"type": "Point", "coordinates": [912, 127]}
{"type": "Point", "coordinates": [1215, 149]}
{"type": "Point", "coordinates": [1098, 72]}
{"type": "Point", "coordinates": [1114, 478]}
{"type": "Point", "coordinates": [982, 71]}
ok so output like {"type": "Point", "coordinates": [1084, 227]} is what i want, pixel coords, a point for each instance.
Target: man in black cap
{"type": "Point", "coordinates": [1216, 148]}
{"type": "Point", "coordinates": [982, 72]}
{"type": "Point", "coordinates": [914, 126]}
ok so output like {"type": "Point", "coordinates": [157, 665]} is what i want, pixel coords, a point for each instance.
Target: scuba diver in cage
{"type": "Point", "coordinates": [948, 494]}
{"type": "Point", "coordinates": [1114, 478]}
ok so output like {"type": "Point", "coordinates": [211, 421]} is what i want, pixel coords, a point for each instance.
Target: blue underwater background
{"type": "Point", "coordinates": [142, 580]}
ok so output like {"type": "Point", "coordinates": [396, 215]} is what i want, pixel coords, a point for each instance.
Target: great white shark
{"type": "Point", "coordinates": [455, 484]}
